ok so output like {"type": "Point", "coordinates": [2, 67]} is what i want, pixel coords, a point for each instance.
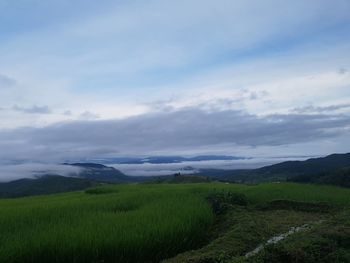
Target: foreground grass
{"type": "Point", "coordinates": [133, 224]}
{"type": "Point", "coordinates": [241, 230]}
{"type": "Point", "coordinates": [328, 241]}
{"type": "Point", "coordinates": [145, 223]}
{"type": "Point", "coordinates": [274, 209]}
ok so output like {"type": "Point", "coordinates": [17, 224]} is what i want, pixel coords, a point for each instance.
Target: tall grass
{"type": "Point", "coordinates": [136, 224]}
{"type": "Point", "coordinates": [261, 193]}
{"type": "Point", "coordinates": [127, 223]}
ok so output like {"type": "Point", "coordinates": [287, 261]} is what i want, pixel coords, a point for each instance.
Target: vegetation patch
{"type": "Point", "coordinates": [222, 200]}
{"type": "Point", "coordinates": [297, 206]}
{"type": "Point", "coordinates": [328, 242]}
{"type": "Point", "coordinates": [101, 190]}
{"type": "Point", "coordinates": [139, 224]}
{"type": "Point", "coordinates": [153, 222]}
{"type": "Point", "coordinates": [241, 230]}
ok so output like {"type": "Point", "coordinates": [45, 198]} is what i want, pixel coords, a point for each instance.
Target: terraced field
{"type": "Point", "coordinates": [207, 222]}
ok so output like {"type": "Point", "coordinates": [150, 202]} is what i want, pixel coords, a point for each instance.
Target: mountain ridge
{"type": "Point", "coordinates": [332, 169]}
{"type": "Point", "coordinates": [314, 168]}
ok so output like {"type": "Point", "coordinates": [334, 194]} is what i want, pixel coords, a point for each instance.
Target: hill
{"type": "Point", "coordinates": [332, 169]}
{"type": "Point", "coordinates": [90, 174]}
{"type": "Point", "coordinates": [48, 184]}
{"type": "Point", "coordinates": [181, 179]}
{"type": "Point", "coordinates": [340, 177]}
{"type": "Point", "coordinates": [311, 166]}
{"type": "Point", "coordinates": [102, 173]}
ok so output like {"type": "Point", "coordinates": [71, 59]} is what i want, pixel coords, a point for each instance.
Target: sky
{"type": "Point", "coordinates": [84, 79]}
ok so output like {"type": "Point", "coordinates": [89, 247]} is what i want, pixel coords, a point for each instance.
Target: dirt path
{"type": "Point", "coordinates": [279, 238]}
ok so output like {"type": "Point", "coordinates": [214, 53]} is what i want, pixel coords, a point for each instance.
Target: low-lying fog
{"type": "Point", "coordinates": [11, 172]}
{"type": "Point", "coordinates": [148, 169]}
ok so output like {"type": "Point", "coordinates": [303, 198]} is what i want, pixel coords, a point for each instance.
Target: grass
{"type": "Point", "coordinates": [240, 231]}
{"type": "Point", "coordinates": [135, 224]}
{"type": "Point", "coordinates": [326, 242]}
{"type": "Point", "coordinates": [141, 223]}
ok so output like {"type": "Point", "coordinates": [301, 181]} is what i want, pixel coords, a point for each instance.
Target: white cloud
{"type": "Point", "coordinates": [35, 109]}
{"type": "Point", "coordinates": [6, 82]}
{"type": "Point", "coordinates": [179, 76]}
{"type": "Point", "coordinates": [12, 172]}
{"type": "Point", "coordinates": [118, 57]}
{"type": "Point", "coordinates": [148, 169]}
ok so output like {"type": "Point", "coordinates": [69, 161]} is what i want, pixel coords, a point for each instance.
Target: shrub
{"type": "Point", "coordinates": [223, 199]}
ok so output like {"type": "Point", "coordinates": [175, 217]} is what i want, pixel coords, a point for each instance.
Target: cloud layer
{"type": "Point", "coordinates": [188, 131]}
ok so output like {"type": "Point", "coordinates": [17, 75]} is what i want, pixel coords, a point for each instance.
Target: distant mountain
{"type": "Point", "coordinates": [107, 174]}
{"type": "Point", "coordinates": [332, 169]}
{"type": "Point", "coordinates": [167, 159]}
{"type": "Point", "coordinates": [310, 166]}
{"type": "Point", "coordinates": [101, 173]}
{"type": "Point", "coordinates": [181, 179]}
{"type": "Point", "coordinates": [48, 184]}
{"type": "Point", "coordinates": [90, 174]}
{"type": "Point", "coordinates": [340, 177]}
{"type": "Point", "coordinates": [90, 165]}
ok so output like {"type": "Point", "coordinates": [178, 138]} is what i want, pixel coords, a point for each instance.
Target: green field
{"type": "Point", "coordinates": [141, 223]}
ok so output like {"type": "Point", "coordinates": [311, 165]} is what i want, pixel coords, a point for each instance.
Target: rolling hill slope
{"type": "Point", "coordinates": [332, 169]}
{"type": "Point", "coordinates": [48, 184]}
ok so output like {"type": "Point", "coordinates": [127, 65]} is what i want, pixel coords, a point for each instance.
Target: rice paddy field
{"type": "Point", "coordinates": [129, 223]}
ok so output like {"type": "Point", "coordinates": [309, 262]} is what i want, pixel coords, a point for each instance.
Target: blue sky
{"type": "Point", "coordinates": [260, 67]}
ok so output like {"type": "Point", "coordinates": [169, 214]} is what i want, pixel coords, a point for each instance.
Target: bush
{"type": "Point", "coordinates": [101, 190]}
{"type": "Point", "coordinates": [319, 207]}
{"type": "Point", "coordinates": [222, 200]}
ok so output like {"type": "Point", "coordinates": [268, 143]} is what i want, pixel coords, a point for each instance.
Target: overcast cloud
{"type": "Point", "coordinates": [183, 130]}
